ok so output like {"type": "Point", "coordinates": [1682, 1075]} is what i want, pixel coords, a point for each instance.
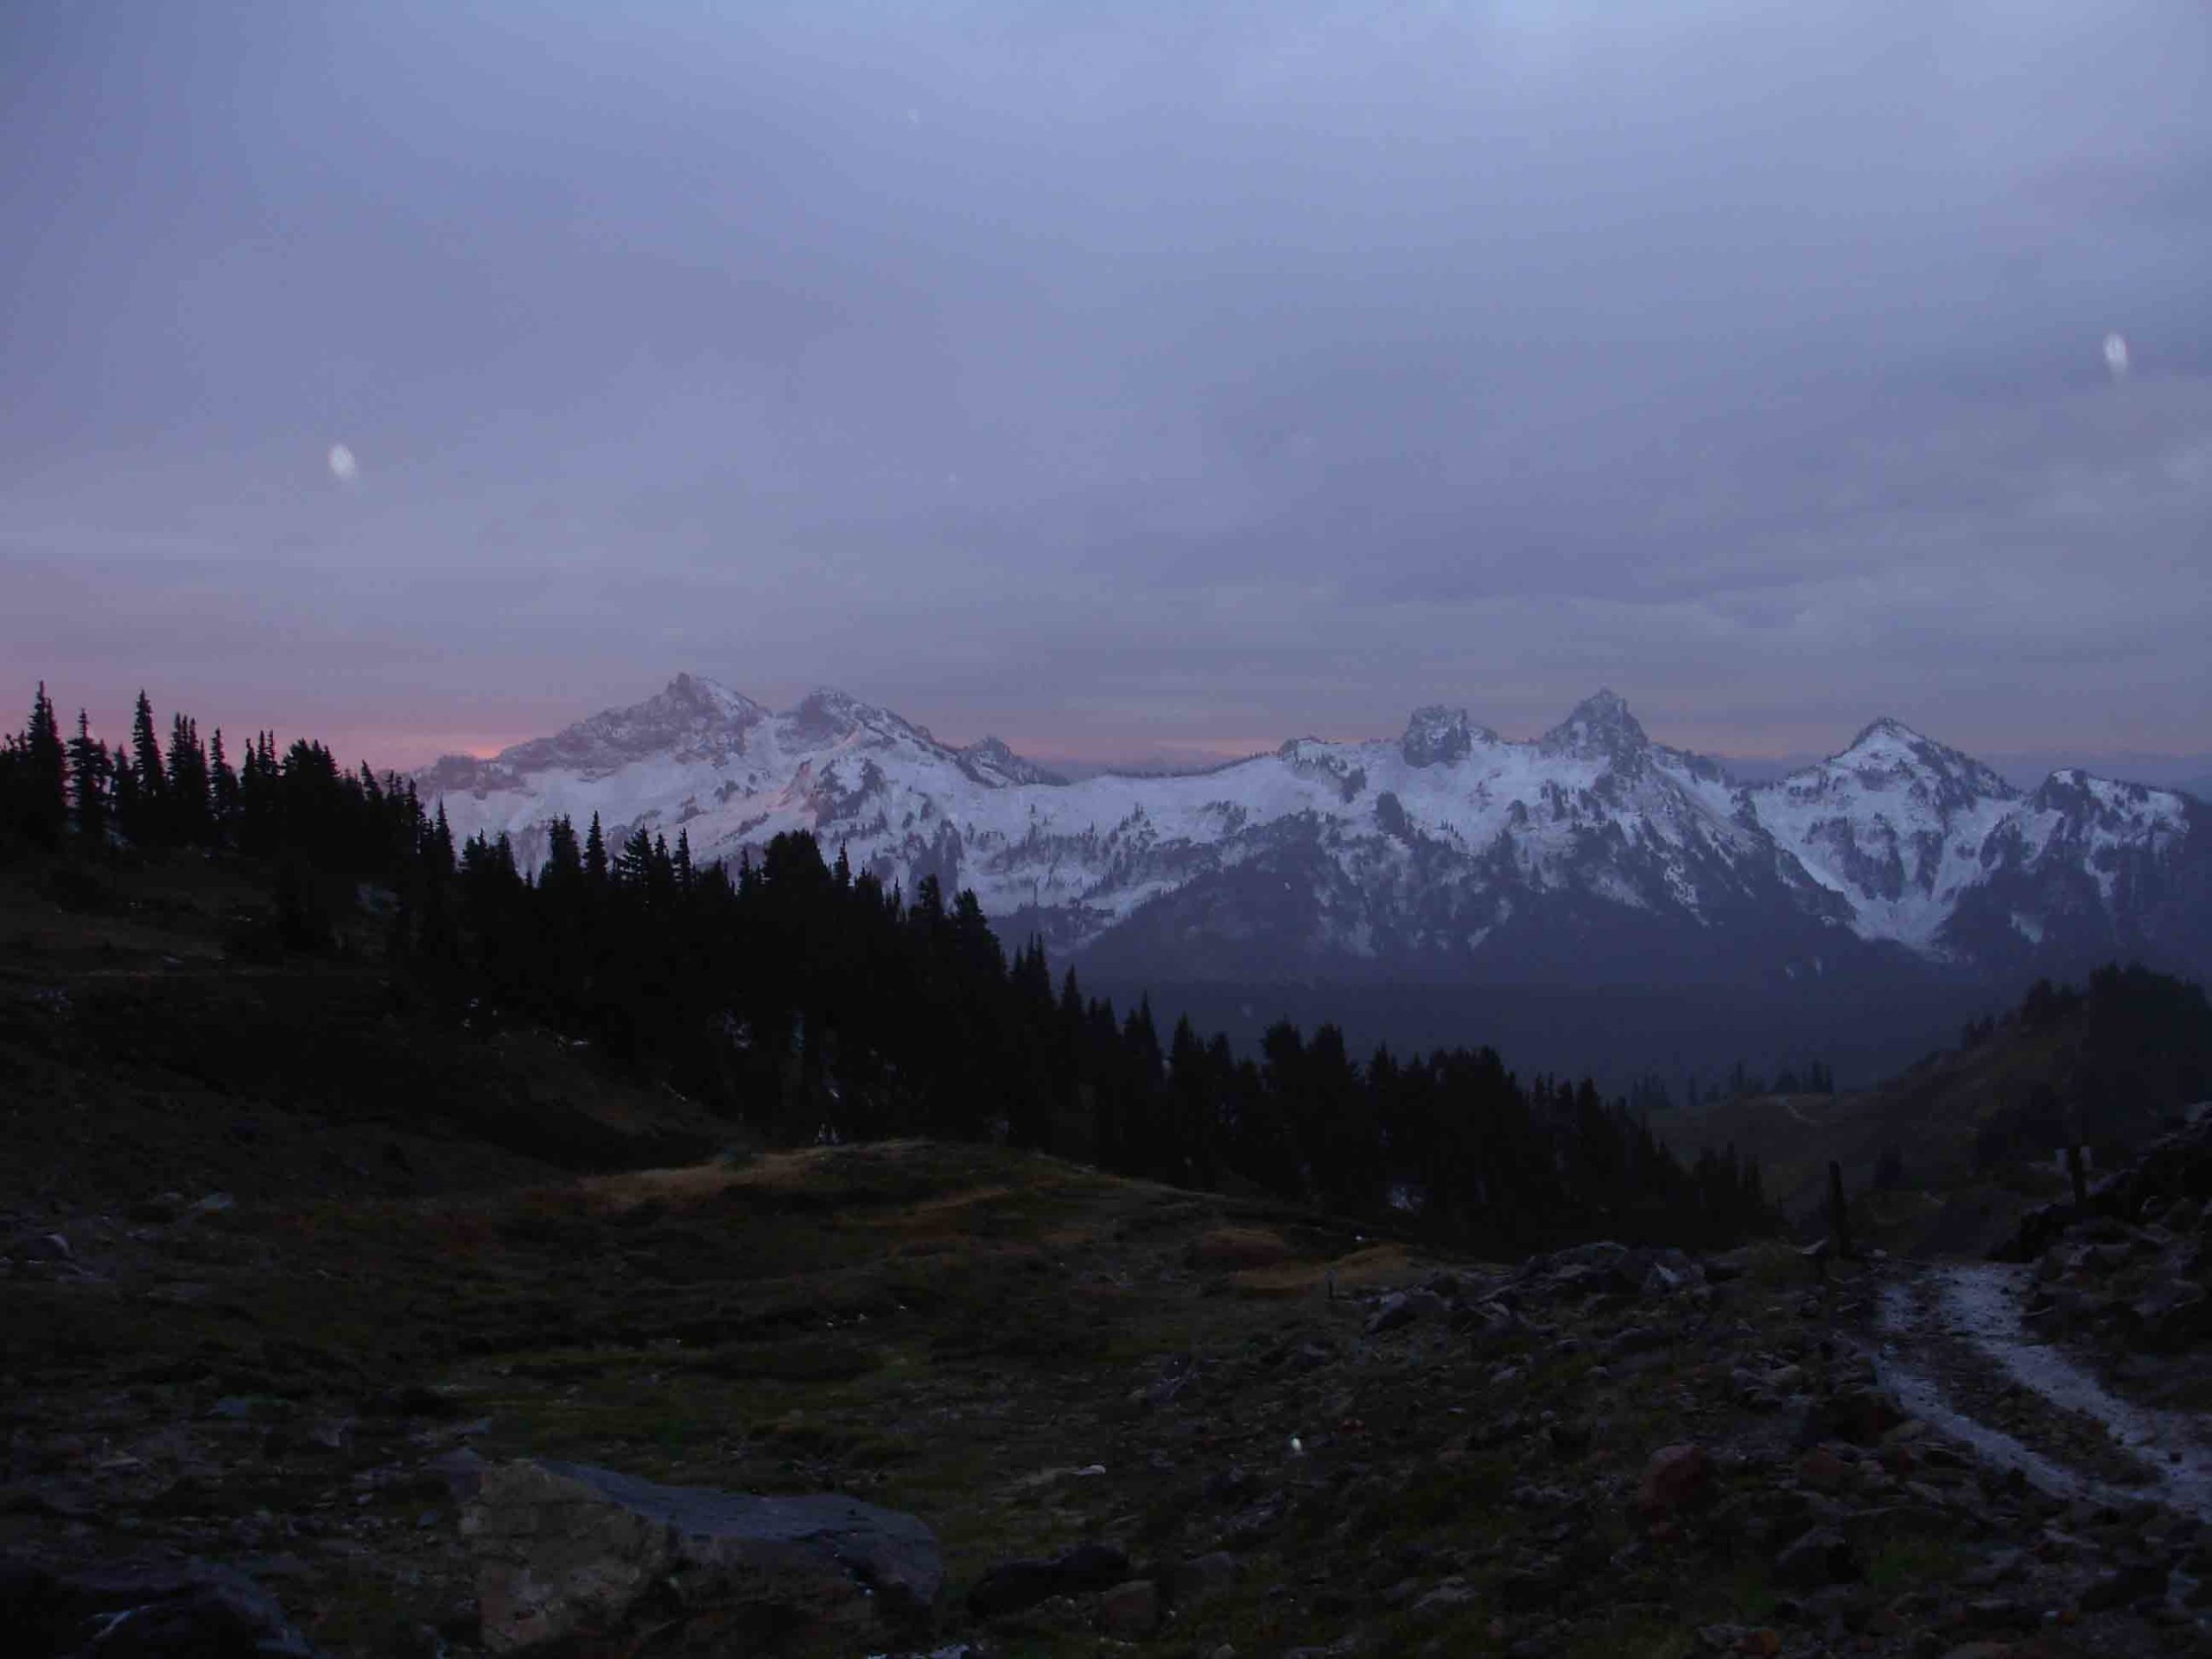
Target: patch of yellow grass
{"type": "Point", "coordinates": [939, 1216]}
{"type": "Point", "coordinates": [1239, 1248]}
{"type": "Point", "coordinates": [617, 1193]}
{"type": "Point", "coordinates": [697, 1183]}
{"type": "Point", "coordinates": [778, 1170]}
{"type": "Point", "coordinates": [1377, 1264]}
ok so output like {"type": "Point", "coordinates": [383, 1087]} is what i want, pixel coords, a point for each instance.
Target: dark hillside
{"type": "Point", "coordinates": [138, 1058]}
{"type": "Point", "coordinates": [1955, 1146]}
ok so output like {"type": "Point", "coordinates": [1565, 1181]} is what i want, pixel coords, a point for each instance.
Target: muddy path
{"type": "Point", "coordinates": [1949, 1340]}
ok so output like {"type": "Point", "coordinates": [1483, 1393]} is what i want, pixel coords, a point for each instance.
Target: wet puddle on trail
{"type": "Point", "coordinates": [1981, 1304]}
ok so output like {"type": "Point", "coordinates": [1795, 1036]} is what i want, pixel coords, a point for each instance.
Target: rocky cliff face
{"type": "Point", "coordinates": [1449, 853]}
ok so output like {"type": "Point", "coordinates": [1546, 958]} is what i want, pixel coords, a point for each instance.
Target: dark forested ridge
{"type": "Point", "coordinates": [811, 1003]}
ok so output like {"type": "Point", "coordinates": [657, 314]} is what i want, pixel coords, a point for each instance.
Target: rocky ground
{"type": "Point", "coordinates": [1127, 1415]}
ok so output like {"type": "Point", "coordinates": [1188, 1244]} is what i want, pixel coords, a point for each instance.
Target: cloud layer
{"type": "Point", "coordinates": [1142, 380]}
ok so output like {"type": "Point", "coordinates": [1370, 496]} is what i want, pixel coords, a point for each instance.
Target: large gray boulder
{"type": "Point", "coordinates": [565, 1548]}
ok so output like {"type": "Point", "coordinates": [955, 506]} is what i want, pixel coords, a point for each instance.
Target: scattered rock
{"type": "Point", "coordinates": [2125, 1585]}
{"type": "Point", "coordinates": [142, 1612]}
{"type": "Point", "coordinates": [1131, 1609]}
{"type": "Point", "coordinates": [1014, 1586]}
{"type": "Point", "coordinates": [463, 1469]}
{"type": "Point", "coordinates": [1201, 1576]}
{"type": "Point", "coordinates": [1822, 1556]}
{"type": "Point", "coordinates": [1450, 1597]}
{"type": "Point", "coordinates": [2171, 1316]}
{"type": "Point", "coordinates": [1396, 1309]}
{"type": "Point", "coordinates": [1822, 1469]}
{"type": "Point", "coordinates": [1856, 1416]}
{"type": "Point", "coordinates": [1675, 1477]}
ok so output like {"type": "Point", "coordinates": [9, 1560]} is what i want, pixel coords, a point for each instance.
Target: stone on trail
{"type": "Point", "coordinates": [1015, 1587]}
{"type": "Point", "coordinates": [1823, 1556]}
{"type": "Point", "coordinates": [1392, 1311]}
{"type": "Point", "coordinates": [566, 1549]}
{"type": "Point", "coordinates": [1677, 1475]}
{"type": "Point", "coordinates": [1130, 1610]}
{"type": "Point", "coordinates": [2171, 1315]}
{"type": "Point", "coordinates": [1858, 1417]}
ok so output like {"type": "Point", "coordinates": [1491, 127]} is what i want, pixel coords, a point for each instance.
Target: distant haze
{"type": "Point", "coordinates": [1134, 382]}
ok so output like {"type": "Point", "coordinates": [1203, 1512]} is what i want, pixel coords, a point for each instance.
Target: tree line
{"type": "Point", "coordinates": [813, 1002]}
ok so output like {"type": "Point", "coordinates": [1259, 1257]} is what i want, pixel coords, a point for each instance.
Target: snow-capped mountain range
{"type": "Point", "coordinates": [1451, 853]}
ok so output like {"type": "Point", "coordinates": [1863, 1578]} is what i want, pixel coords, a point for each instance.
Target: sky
{"type": "Point", "coordinates": [1138, 381]}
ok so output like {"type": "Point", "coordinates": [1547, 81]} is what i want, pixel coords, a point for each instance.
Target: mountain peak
{"type": "Point", "coordinates": [1436, 735]}
{"type": "Point", "coordinates": [1888, 746]}
{"type": "Point", "coordinates": [1600, 727]}
{"type": "Point", "coordinates": [697, 694]}
{"type": "Point", "coordinates": [1888, 729]}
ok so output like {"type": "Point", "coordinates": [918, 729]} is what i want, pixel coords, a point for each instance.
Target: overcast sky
{"type": "Point", "coordinates": [1145, 379]}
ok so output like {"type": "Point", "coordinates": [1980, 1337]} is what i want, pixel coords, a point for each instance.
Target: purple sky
{"type": "Point", "coordinates": [1129, 381]}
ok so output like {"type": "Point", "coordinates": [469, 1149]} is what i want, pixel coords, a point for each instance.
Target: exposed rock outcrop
{"type": "Point", "coordinates": [568, 1549]}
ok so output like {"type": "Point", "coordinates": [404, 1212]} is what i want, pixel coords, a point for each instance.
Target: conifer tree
{"type": "Point", "coordinates": [45, 774]}
{"type": "Point", "coordinates": [222, 791]}
{"type": "Point", "coordinates": [149, 779]}
{"type": "Point", "coordinates": [122, 792]}
{"type": "Point", "coordinates": [191, 821]}
{"type": "Point", "coordinates": [564, 868]}
{"type": "Point", "coordinates": [440, 846]}
{"type": "Point", "coordinates": [660, 874]}
{"type": "Point", "coordinates": [595, 869]}
{"type": "Point", "coordinates": [88, 782]}
{"type": "Point", "coordinates": [633, 864]}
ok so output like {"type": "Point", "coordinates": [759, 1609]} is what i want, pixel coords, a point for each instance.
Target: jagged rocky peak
{"type": "Point", "coordinates": [1600, 728]}
{"type": "Point", "coordinates": [1888, 736]}
{"type": "Point", "coordinates": [708, 697]}
{"type": "Point", "coordinates": [991, 760]}
{"type": "Point", "coordinates": [1436, 736]}
{"type": "Point", "coordinates": [1889, 746]}
{"type": "Point", "coordinates": [690, 717]}
{"type": "Point", "coordinates": [2109, 801]}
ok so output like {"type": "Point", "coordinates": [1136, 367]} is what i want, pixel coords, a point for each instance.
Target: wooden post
{"type": "Point", "coordinates": [2081, 1176]}
{"type": "Point", "coordinates": [1839, 1217]}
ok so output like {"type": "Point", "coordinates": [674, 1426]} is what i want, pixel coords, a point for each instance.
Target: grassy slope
{"type": "Point", "coordinates": [1931, 1113]}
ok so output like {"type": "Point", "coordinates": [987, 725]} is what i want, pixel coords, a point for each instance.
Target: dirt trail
{"type": "Point", "coordinates": [1956, 1352]}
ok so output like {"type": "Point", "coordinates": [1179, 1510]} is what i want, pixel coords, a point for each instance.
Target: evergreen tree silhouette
{"type": "Point", "coordinates": [46, 789]}
{"type": "Point", "coordinates": [88, 784]}
{"type": "Point", "coordinates": [595, 869]}
{"type": "Point", "coordinates": [191, 815]}
{"type": "Point", "coordinates": [123, 792]}
{"type": "Point", "coordinates": [148, 825]}
{"type": "Point", "coordinates": [222, 791]}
